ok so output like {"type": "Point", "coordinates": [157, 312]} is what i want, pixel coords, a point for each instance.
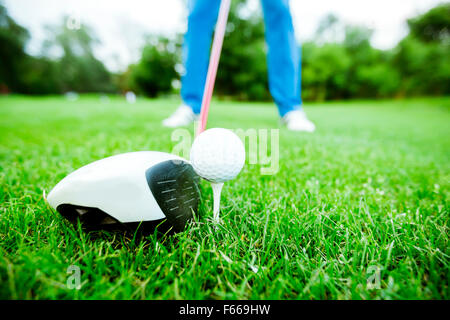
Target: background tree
{"type": "Point", "coordinates": [155, 72]}
{"type": "Point", "coordinates": [243, 71]}
{"type": "Point", "coordinates": [433, 25]}
{"type": "Point", "coordinates": [423, 57]}
{"type": "Point", "coordinates": [339, 62]}
{"type": "Point", "coordinates": [78, 68]}
{"type": "Point", "coordinates": [13, 38]}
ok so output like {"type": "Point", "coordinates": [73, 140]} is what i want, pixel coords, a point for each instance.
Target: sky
{"type": "Point", "coordinates": [120, 24]}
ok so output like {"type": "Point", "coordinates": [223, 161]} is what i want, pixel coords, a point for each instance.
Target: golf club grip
{"type": "Point", "coordinates": [214, 62]}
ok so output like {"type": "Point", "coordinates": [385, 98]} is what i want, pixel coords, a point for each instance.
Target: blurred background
{"type": "Point", "coordinates": [350, 48]}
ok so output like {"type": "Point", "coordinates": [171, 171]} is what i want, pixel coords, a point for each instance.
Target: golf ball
{"type": "Point", "coordinates": [217, 155]}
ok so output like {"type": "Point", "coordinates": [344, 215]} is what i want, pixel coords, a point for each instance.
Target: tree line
{"type": "Point", "coordinates": [340, 63]}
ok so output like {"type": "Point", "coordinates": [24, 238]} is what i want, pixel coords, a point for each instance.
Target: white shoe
{"type": "Point", "coordinates": [297, 121]}
{"type": "Point", "coordinates": [183, 116]}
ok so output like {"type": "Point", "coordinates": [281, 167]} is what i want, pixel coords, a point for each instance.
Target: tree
{"type": "Point", "coordinates": [364, 75]}
{"type": "Point", "coordinates": [13, 38]}
{"type": "Point", "coordinates": [432, 26]}
{"type": "Point", "coordinates": [423, 57]}
{"type": "Point", "coordinates": [78, 68]}
{"type": "Point", "coordinates": [425, 67]}
{"type": "Point", "coordinates": [243, 71]}
{"type": "Point", "coordinates": [324, 72]}
{"type": "Point", "coordinates": [155, 71]}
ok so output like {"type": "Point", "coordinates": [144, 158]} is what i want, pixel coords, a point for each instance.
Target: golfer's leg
{"type": "Point", "coordinates": [283, 56]}
{"type": "Point", "coordinates": [196, 47]}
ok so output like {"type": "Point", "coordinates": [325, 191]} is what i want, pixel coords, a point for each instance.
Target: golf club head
{"type": "Point", "coordinates": [144, 188]}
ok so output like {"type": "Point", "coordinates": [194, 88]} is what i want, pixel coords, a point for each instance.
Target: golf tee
{"type": "Point", "coordinates": [217, 190]}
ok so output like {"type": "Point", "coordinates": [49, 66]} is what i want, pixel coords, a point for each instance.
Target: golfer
{"type": "Point", "coordinates": [284, 64]}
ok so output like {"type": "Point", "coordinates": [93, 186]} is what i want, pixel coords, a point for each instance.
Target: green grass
{"type": "Point", "coordinates": [368, 191]}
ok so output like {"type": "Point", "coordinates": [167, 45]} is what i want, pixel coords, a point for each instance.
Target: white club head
{"type": "Point", "coordinates": [129, 188]}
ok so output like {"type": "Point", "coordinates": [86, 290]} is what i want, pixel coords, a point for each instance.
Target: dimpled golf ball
{"type": "Point", "coordinates": [217, 155]}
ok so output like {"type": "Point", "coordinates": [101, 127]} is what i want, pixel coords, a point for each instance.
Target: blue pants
{"type": "Point", "coordinates": [283, 56]}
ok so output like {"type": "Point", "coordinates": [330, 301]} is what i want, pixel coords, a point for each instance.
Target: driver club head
{"type": "Point", "coordinates": [144, 188]}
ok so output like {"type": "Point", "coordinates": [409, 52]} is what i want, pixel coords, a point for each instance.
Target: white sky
{"type": "Point", "coordinates": [120, 24]}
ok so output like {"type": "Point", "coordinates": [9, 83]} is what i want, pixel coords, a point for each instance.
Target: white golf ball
{"type": "Point", "coordinates": [217, 155]}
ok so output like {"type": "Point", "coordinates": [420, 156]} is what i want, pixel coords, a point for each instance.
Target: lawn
{"type": "Point", "coordinates": [357, 210]}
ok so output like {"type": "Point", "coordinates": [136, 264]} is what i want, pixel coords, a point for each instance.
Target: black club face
{"type": "Point", "coordinates": [174, 184]}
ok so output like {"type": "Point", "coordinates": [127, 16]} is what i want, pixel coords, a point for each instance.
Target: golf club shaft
{"type": "Point", "coordinates": [214, 63]}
